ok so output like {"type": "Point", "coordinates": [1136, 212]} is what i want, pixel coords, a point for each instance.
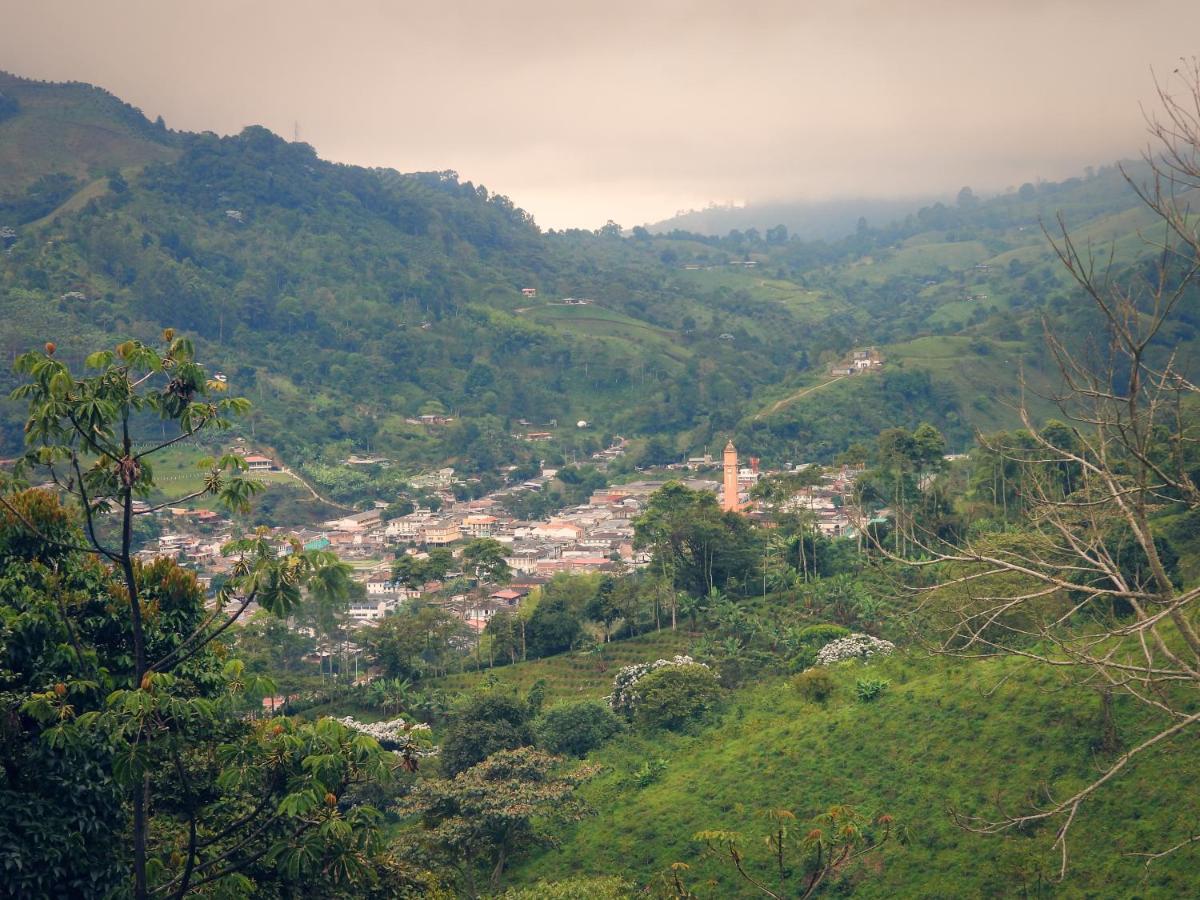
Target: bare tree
{"type": "Point", "coordinates": [1085, 586]}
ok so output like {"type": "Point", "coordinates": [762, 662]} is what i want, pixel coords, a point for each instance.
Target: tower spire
{"type": "Point", "coordinates": [729, 501]}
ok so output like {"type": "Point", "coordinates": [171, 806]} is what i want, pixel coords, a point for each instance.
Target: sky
{"type": "Point", "coordinates": [630, 110]}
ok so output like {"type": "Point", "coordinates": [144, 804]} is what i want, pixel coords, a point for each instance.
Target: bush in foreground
{"type": "Point", "coordinates": [675, 696]}
{"type": "Point", "coordinates": [575, 727]}
{"type": "Point", "coordinates": [814, 685]}
{"type": "Point", "coordinates": [855, 646]}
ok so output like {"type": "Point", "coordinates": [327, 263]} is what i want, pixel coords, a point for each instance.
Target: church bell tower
{"type": "Point", "coordinates": [729, 502]}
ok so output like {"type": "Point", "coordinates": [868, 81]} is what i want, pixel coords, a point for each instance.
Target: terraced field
{"type": "Point", "coordinates": [577, 674]}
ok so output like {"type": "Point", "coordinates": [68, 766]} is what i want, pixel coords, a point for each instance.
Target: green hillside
{"type": "Point", "coordinates": [71, 129]}
{"type": "Point", "coordinates": [581, 674]}
{"type": "Point", "coordinates": [345, 301]}
{"type": "Point", "coordinates": [918, 754]}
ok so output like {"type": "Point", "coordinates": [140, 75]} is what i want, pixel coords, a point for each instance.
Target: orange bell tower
{"type": "Point", "coordinates": [729, 502]}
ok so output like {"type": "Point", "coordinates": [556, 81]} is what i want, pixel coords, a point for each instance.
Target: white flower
{"type": "Point", "coordinates": [854, 646]}
{"type": "Point", "coordinates": [623, 697]}
{"type": "Point", "coordinates": [395, 734]}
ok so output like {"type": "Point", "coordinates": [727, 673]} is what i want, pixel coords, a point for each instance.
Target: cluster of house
{"type": "Point", "coordinates": [596, 536]}
{"type": "Point", "coordinates": [828, 502]}
{"type": "Point", "coordinates": [858, 361]}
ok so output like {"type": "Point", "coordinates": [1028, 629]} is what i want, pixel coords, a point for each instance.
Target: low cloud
{"type": "Point", "coordinates": [586, 111]}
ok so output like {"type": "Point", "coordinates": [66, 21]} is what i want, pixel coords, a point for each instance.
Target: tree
{"type": "Point", "coordinates": [696, 546]}
{"type": "Point", "coordinates": [415, 571]}
{"type": "Point", "coordinates": [154, 686]}
{"type": "Point", "coordinates": [575, 727]}
{"type": "Point", "coordinates": [553, 628]}
{"type": "Point", "coordinates": [485, 559]}
{"type": "Point", "coordinates": [416, 641]}
{"type": "Point", "coordinates": [673, 697]}
{"type": "Point", "coordinates": [504, 628]}
{"type": "Point", "coordinates": [482, 725]}
{"type": "Point", "coordinates": [1063, 592]}
{"type": "Point", "coordinates": [604, 607]}
{"type": "Point", "coordinates": [798, 866]}
{"type": "Point", "coordinates": [478, 821]}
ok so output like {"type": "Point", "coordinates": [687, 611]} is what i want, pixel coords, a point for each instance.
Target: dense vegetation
{"type": "Point", "coordinates": [346, 301]}
{"type": "Point", "coordinates": [987, 686]}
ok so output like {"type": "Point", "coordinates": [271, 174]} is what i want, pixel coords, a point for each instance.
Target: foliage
{"type": "Point", "coordinates": [822, 634]}
{"type": "Point", "coordinates": [484, 558]}
{"type": "Point", "coordinates": [815, 685]}
{"type": "Point", "coordinates": [855, 646]}
{"type": "Point", "coordinates": [840, 837]}
{"type": "Point", "coordinates": [674, 697]}
{"type": "Point", "coordinates": [695, 545]}
{"type": "Point", "coordinates": [414, 572]}
{"type": "Point", "coordinates": [575, 727]}
{"type": "Point", "coordinates": [650, 771]}
{"type": "Point", "coordinates": [489, 813]}
{"type": "Point", "coordinates": [553, 628]}
{"type": "Point", "coordinates": [415, 642]}
{"type": "Point", "coordinates": [624, 696]}
{"type": "Point", "coordinates": [408, 739]}
{"type": "Point", "coordinates": [481, 725]}
{"type": "Point", "coordinates": [144, 688]}
{"type": "Point", "coordinates": [870, 689]}
{"type": "Point", "coordinates": [591, 888]}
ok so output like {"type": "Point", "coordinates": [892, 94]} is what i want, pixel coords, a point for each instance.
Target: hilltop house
{"type": "Point", "coordinates": [441, 532]}
{"type": "Point", "coordinates": [362, 521]}
{"type": "Point", "coordinates": [478, 525]}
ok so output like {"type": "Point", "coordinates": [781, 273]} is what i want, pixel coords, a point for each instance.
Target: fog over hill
{"type": "Point", "coordinates": [808, 220]}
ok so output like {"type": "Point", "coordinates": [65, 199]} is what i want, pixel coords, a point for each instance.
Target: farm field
{"type": "Point", "coordinates": [913, 754]}
{"type": "Point", "coordinates": [579, 674]}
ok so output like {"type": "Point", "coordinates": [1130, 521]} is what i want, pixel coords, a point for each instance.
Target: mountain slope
{"type": "Point", "coordinates": [914, 754]}
{"type": "Point", "coordinates": [72, 129]}
{"type": "Point", "coordinates": [828, 220]}
{"type": "Point", "coordinates": [346, 301]}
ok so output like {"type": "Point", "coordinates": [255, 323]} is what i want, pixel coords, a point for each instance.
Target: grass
{"type": "Point", "coordinates": [921, 258]}
{"type": "Point", "coordinates": [809, 304]}
{"type": "Point", "coordinates": [578, 674]}
{"type": "Point", "coordinates": [176, 474]}
{"type": "Point", "coordinates": [68, 128]}
{"type": "Point", "coordinates": [945, 735]}
{"type": "Point", "coordinates": [597, 321]}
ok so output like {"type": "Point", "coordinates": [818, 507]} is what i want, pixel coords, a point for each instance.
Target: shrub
{"type": "Point", "coordinates": [593, 887]}
{"type": "Point", "coordinates": [868, 689]}
{"type": "Point", "coordinates": [855, 646]}
{"type": "Point", "coordinates": [624, 694]}
{"type": "Point", "coordinates": [649, 772]}
{"type": "Point", "coordinates": [815, 685]}
{"type": "Point", "coordinates": [485, 723]}
{"type": "Point", "coordinates": [805, 658]}
{"type": "Point", "coordinates": [575, 727]}
{"type": "Point", "coordinates": [820, 635]}
{"type": "Point", "coordinates": [674, 696]}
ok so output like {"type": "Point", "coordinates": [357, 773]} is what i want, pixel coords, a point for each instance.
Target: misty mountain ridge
{"type": "Point", "coordinates": [806, 220]}
{"type": "Point", "coordinates": [840, 217]}
{"type": "Point", "coordinates": [347, 301]}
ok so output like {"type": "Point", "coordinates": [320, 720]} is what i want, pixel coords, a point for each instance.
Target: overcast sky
{"type": "Point", "coordinates": [584, 111]}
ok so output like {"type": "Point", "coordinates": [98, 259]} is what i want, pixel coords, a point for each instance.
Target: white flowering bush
{"type": "Point", "coordinates": [854, 646]}
{"type": "Point", "coordinates": [410, 740]}
{"type": "Point", "coordinates": [624, 695]}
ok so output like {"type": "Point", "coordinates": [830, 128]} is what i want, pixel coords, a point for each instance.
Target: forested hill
{"type": "Point", "coordinates": [344, 301]}
{"type": "Point", "coordinates": [824, 220]}
{"type": "Point", "coordinates": [69, 132]}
